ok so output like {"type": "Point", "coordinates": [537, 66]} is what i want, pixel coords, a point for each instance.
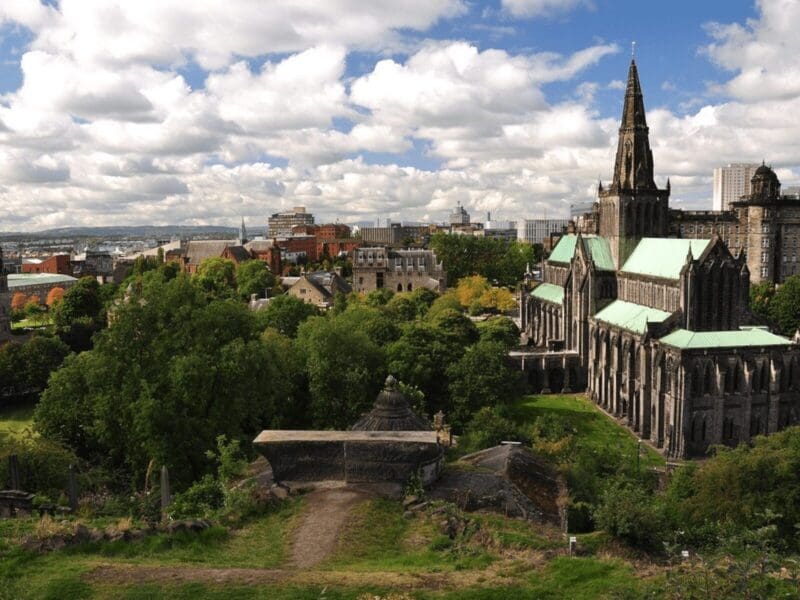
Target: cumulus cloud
{"type": "Point", "coordinates": [105, 125]}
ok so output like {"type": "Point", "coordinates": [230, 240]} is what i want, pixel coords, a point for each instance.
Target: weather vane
{"type": "Point", "coordinates": [633, 49]}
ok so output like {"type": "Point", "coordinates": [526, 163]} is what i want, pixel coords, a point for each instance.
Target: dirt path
{"type": "Point", "coordinates": [324, 514]}
{"type": "Point", "coordinates": [139, 574]}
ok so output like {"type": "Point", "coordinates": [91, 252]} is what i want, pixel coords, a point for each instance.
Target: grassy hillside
{"type": "Point", "coordinates": [16, 419]}
{"type": "Point", "coordinates": [594, 428]}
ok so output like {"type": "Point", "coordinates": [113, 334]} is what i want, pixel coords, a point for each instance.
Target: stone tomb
{"type": "Point", "coordinates": [351, 456]}
{"type": "Point", "coordinates": [389, 444]}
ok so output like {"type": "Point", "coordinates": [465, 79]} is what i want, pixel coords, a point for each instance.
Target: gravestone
{"type": "Point", "coordinates": [13, 470]}
{"type": "Point", "coordinates": [72, 485]}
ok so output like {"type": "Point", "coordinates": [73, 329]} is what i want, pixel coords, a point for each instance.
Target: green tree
{"type": "Point", "coordinates": [499, 329]}
{"type": "Point", "coordinates": [420, 357]}
{"type": "Point", "coordinates": [379, 297]}
{"type": "Point", "coordinates": [253, 277]}
{"type": "Point", "coordinates": [455, 325]}
{"type": "Point", "coordinates": [760, 296]}
{"type": "Point", "coordinates": [82, 300]}
{"type": "Point", "coordinates": [285, 313]}
{"type": "Point", "coordinates": [784, 308]}
{"type": "Point", "coordinates": [174, 371]}
{"type": "Point", "coordinates": [345, 370]}
{"type": "Point", "coordinates": [482, 377]}
{"type": "Point", "coordinates": [216, 277]}
{"type": "Point", "coordinates": [378, 325]}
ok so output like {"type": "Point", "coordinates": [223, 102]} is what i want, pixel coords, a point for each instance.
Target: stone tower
{"type": "Point", "coordinates": [632, 207]}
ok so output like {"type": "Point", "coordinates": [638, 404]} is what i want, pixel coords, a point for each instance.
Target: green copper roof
{"type": "Point", "coordinates": [600, 252]}
{"type": "Point", "coordinates": [564, 250]}
{"type": "Point", "coordinates": [662, 257]}
{"type": "Point", "coordinates": [549, 293]}
{"type": "Point", "coordinates": [19, 279]}
{"type": "Point", "coordinates": [597, 247]}
{"type": "Point", "coordinates": [630, 316]}
{"type": "Point", "coordinates": [746, 336]}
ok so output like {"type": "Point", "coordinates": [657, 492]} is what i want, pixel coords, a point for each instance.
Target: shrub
{"type": "Point", "coordinates": [43, 464]}
{"type": "Point", "coordinates": [631, 513]}
{"type": "Point", "coordinates": [200, 500]}
{"type": "Point", "coordinates": [488, 428]}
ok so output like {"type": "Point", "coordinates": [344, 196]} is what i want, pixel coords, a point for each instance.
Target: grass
{"type": "Point", "coordinates": [260, 545]}
{"type": "Point", "coordinates": [32, 323]}
{"type": "Point", "coordinates": [594, 428]}
{"type": "Point", "coordinates": [379, 538]}
{"type": "Point", "coordinates": [15, 420]}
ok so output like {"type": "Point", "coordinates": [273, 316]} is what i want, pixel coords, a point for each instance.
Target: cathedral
{"type": "Point", "coordinates": [654, 326]}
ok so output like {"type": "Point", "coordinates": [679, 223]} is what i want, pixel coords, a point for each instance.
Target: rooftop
{"type": "Point", "coordinates": [743, 337]}
{"type": "Point", "coordinates": [630, 316]}
{"type": "Point", "coordinates": [662, 257]}
{"type": "Point", "coordinates": [21, 279]}
{"type": "Point", "coordinates": [549, 292]}
{"type": "Point", "coordinates": [597, 247]}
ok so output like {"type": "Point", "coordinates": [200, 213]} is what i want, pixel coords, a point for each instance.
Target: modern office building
{"type": "Point", "coordinates": [535, 231]}
{"type": "Point", "coordinates": [280, 224]}
{"type": "Point", "coordinates": [731, 183]}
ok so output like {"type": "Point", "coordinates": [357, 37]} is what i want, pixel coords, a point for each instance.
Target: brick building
{"type": "Point", "coordinates": [58, 264]}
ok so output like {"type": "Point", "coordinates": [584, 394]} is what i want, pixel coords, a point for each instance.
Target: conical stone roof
{"type": "Point", "coordinates": [391, 413]}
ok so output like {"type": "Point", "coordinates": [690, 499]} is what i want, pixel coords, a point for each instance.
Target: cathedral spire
{"type": "Point", "coordinates": [242, 234]}
{"type": "Point", "coordinates": [634, 164]}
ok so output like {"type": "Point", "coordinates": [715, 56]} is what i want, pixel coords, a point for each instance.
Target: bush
{"type": "Point", "coordinates": [631, 513]}
{"type": "Point", "coordinates": [199, 501]}
{"type": "Point", "coordinates": [579, 517]}
{"type": "Point", "coordinates": [488, 428]}
{"type": "Point", "coordinates": [43, 464]}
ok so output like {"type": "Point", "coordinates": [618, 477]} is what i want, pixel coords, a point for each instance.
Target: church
{"type": "Point", "coordinates": [654, 327]}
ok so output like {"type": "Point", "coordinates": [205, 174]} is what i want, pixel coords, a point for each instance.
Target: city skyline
{"type": "Point", "coordinates": [167, 114]}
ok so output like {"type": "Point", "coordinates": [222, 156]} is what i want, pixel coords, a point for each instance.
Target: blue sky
{"type": "Point", "coordinates": [160, 112]}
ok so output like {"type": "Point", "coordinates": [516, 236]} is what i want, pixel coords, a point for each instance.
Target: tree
{"type": "Point", "coordinates": [761, 294]}
{"type": "Point", "coordinates": [402, 307]}
{"type": "Point", "coordinates": [82, 300]}
{"type": "Point", "coordinates": [379, 297]}
{"type": "Point", "coordinates": [482, 377]}
{"type": "Point", "coordinates": [54, 296]}
{"type": "Point", "coordinates": [253, 277]}
{"type": "Point", "coordinates": [470, 289]}
{"type": "Point", "coordinates": [448, 300]}
{"type": "Point", "coordinates": [18, 301]}
{"type": "Point", "coordinates": [285, 313]}
{"type": "Point", "coordinates": [420, 357]}
{"type": "Point", "coordinates": [455, 325]}
{"type": "Point", "coordinates": [499, 329]}
{"type": "Point", "coordinates": [498, 299]}
{"type": "Point", "coordinates": [500, 262]}
{"type": "Point", "coordinates": [25, 368]}
{"type": "Point", "coordinates": [345, 370]}
{"type": "Point", "coordinates": [175, 371]}
{"type": "Point", "coordinates": [784, 308]}
{"type": "Point", "coordinates": [378, 325]}
{"type": "Point", "coordinates": [216, 277]}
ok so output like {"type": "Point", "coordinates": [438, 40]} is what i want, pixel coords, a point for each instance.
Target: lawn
{"type": "Point", "coordinates": [16, 419]}
{"type": "Point", "coordinates": [594, 428]}
{"type": "Point", "coordinates": [380, 551]}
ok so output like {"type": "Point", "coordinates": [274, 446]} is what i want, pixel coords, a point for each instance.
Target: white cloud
{"type": "Point", "coordinates": [536, 8]}
{"type": "Point", "coordinates": [106, 128]}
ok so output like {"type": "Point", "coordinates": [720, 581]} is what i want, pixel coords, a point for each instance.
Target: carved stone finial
{"type": "Point", "coordinates": [391, 383]}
